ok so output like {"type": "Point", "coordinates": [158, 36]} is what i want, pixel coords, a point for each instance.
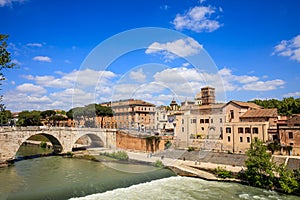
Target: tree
{"type": "Point", "coordinates": [5, 62]}
{"type": "Point", "coordinates": [260, 168]}
{"type": "Point", "coordinates": [274, 146]}
{"type": "Point", "coordinates": [29, 118]}
{"type": "Point", "coordinates": [5, 116]}
{"type": "Point", "coordinates": [287, 179]}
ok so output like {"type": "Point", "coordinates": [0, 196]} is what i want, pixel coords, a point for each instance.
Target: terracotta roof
{"type": "Point", "coordinates": [260, 113]}
{"type": "Point", "coordinates": [247, 104]}
{"type": "Point", "coordinates": [212, 106]}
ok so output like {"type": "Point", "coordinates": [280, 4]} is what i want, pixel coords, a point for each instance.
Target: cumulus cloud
{"type": "Point", "coordinates": [289, 48]}
{"type": "Point", "coordinates": [198, 19]}
{"type": "Point", "coordinates": [138, 75]}
{"type": "Point", "coordinates": [292, 94]}
{"type": "Point", "coordinates": [9, 3]}
{"type": "Point", "coordinates": [31, 88]}
{"type": "Point", "coordinates": [42, 58]}
{"type": "Point", "coordinates": [181, 47]}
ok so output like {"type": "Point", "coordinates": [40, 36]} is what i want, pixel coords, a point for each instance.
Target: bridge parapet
{"type": "Point", "coordinates": [11, 138]}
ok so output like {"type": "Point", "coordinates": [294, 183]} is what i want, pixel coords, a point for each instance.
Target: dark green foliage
{"type": "Point", "coordinates": [287, 180]}
{"type": "Point", "coordinates": [119, 155]}
{"type": "Point", "coordinates": [5, 61]}
{"type": "Point", "coordinates": [262, 172]}
{"type": "Point", "coordinates": [191, 149]}
{"type": "Point", "coordinates": [287, 106]}
{"type": "Point", "coordinates": [47, 114]}
{"type": "Point", "coordinates": [159, 164]}
{"type": "Point", "coordinates": [223, 173]}
{"type": "Point", "coordinates": [89, 112]}
{"type": "Point", "coordinates": [5, 116]}
{"type": "Point", "coordinates": [29, 118]}
{"type": "Point", "coordinates": [43, 144]}
{"type": "Point", "coordinates": [260, 168]}
{"type": "Point", "coordinates": [274, 146]}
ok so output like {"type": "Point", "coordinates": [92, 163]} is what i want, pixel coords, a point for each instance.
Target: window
{"type": "Point", "coordinates": [240, 130]}
{"type": "Point", "coordinates": [193, 121]}
{"type": "Point", "coordinates": [247, 130]}
{"type": "Point", "coordinates": [202, 128]}
{"type": "Point", "coordinates": [241, 139]}
{"type": "Point", "coordinates": [221, 120]}
{"type": "Point", "coordinates": [182, 121]}
{"type": "Point", "coordinates": [231, 114]}
{"type": "Point", "coordinates": [212, 121]}
{"type": "Point", "coordinates": [207, 121]}
{"type": "Point", "coordinates": [255, 130]}
{"type": "Point", "coordinates": [228, 138]}
{"type": "Point", "coordinates": [182, 129]}
{"type": "Point", "coordinates": [221, 130]}
{"type": "Point", "coordinates": [228, 130]}
{"type": "Point", "coordinates": [291, 136]}
{"type": "Point", "coordinates": [248, 139]}
{"type": "Point", "coordinates": [201, 121]}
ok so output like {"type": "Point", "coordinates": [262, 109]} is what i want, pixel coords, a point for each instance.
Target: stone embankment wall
{"type": "Point", "coordinates": [138, 143]}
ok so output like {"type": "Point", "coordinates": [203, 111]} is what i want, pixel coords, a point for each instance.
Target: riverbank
{"type": "Point", "coordinates": [188, 168]}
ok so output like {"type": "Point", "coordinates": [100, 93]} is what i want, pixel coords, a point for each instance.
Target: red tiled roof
{"type": "Point", "coordinates": [247, 104]}
{"type": "Point", "coordinates": [260, 113]}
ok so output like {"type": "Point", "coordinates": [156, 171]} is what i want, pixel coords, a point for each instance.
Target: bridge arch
{"type": "Point", "coordinates": [93, 140]}
{"type": "Point", "coordinates": [56, 144]}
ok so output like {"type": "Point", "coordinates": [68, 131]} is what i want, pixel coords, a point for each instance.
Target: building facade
{"type": "Point", "coordinates": [289, 135]}
{"type": "Point", "coordinates": [133, 114]}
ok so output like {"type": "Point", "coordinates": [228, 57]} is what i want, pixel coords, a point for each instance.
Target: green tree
{"type": "Point", "coordinates": [5, 116]}
{"type": "Point", "coordinates": [274, 146]}
{"type": "Point", "coordinates": [260, 168]}
{"type": "Point", "coordinates": [29, 118]}
{"type": "Point", "coordinates": [287, 180]}
{"type": "Point", "coordinates": [5, 61]}
{"type": "Point", "coordinates": [287, 106]}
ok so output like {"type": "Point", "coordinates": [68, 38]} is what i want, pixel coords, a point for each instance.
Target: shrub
{"type": "Point", "coordinates": [223, 173]}
{"type": "Point", "coordinates": [191, 149]}
{"type": "Point", "coordinates": [43, 144]}
{"type": "Point", "coordinates": [159, 164]}
{"type": "Point", "coordinates": [120, 155]}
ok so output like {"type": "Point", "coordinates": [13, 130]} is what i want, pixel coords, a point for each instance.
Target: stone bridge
{"type": "Point", "coordinates": [62, 138]}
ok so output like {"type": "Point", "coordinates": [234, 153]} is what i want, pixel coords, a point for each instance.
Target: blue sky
{"type": "Point", "coordinates": [63, 49]}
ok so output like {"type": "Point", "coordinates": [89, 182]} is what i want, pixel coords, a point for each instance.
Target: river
{"type": "Point", "coordinates": [56, 177]}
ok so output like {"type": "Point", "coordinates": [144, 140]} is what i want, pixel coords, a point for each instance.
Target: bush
{"type": "Point", "coordinates": [120, 155]}
{"type": "Point", "coordinates": [191, 149]}
{"type": "Point", "coordinates": [43, 144]}
{"type": "Point", "coordinates": [159, 164]}
{"type": "Point", "coordinates": [223, 173]}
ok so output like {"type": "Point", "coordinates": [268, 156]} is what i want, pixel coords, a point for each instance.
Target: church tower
{"type": "Point", "coordinates": [208, 95]}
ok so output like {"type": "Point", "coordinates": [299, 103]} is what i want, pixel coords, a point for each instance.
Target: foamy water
{"type": "Point", "coordinates": [186, 188]}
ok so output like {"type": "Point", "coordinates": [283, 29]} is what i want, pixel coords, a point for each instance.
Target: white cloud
{"type": "Point", "coordinates": [42, 58]}
{"type": "Point", "coordinates": [264, 85]}
{"type": "Point", "coordinates": [82, 78]}
{"type": "Point", "coordinates": [197, 19]}
{"type": "Point", "coordinates": [9, 2]}
{"type": "Point", "coordinates": [138, 75]}
{"type": "Point", "coordinates": [292, 94]}
{"type": "Point", "coordinates": [181, 47]}
{"type": "Point", "coordinates": [289, 48]}
{"type": "Point", "coordinates": [34, 44]}
{"type": "Point", "coordinates": [31, 88]}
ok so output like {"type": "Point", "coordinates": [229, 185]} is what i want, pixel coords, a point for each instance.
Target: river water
{"type": "Point", "coordinates": [64, 178]}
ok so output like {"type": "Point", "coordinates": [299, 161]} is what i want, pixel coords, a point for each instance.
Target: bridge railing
{"type": "Point", "coordinates": [46, 128]}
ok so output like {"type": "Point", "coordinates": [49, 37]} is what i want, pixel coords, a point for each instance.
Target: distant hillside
{"type": "Point", "coordinates": [287, 106]}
